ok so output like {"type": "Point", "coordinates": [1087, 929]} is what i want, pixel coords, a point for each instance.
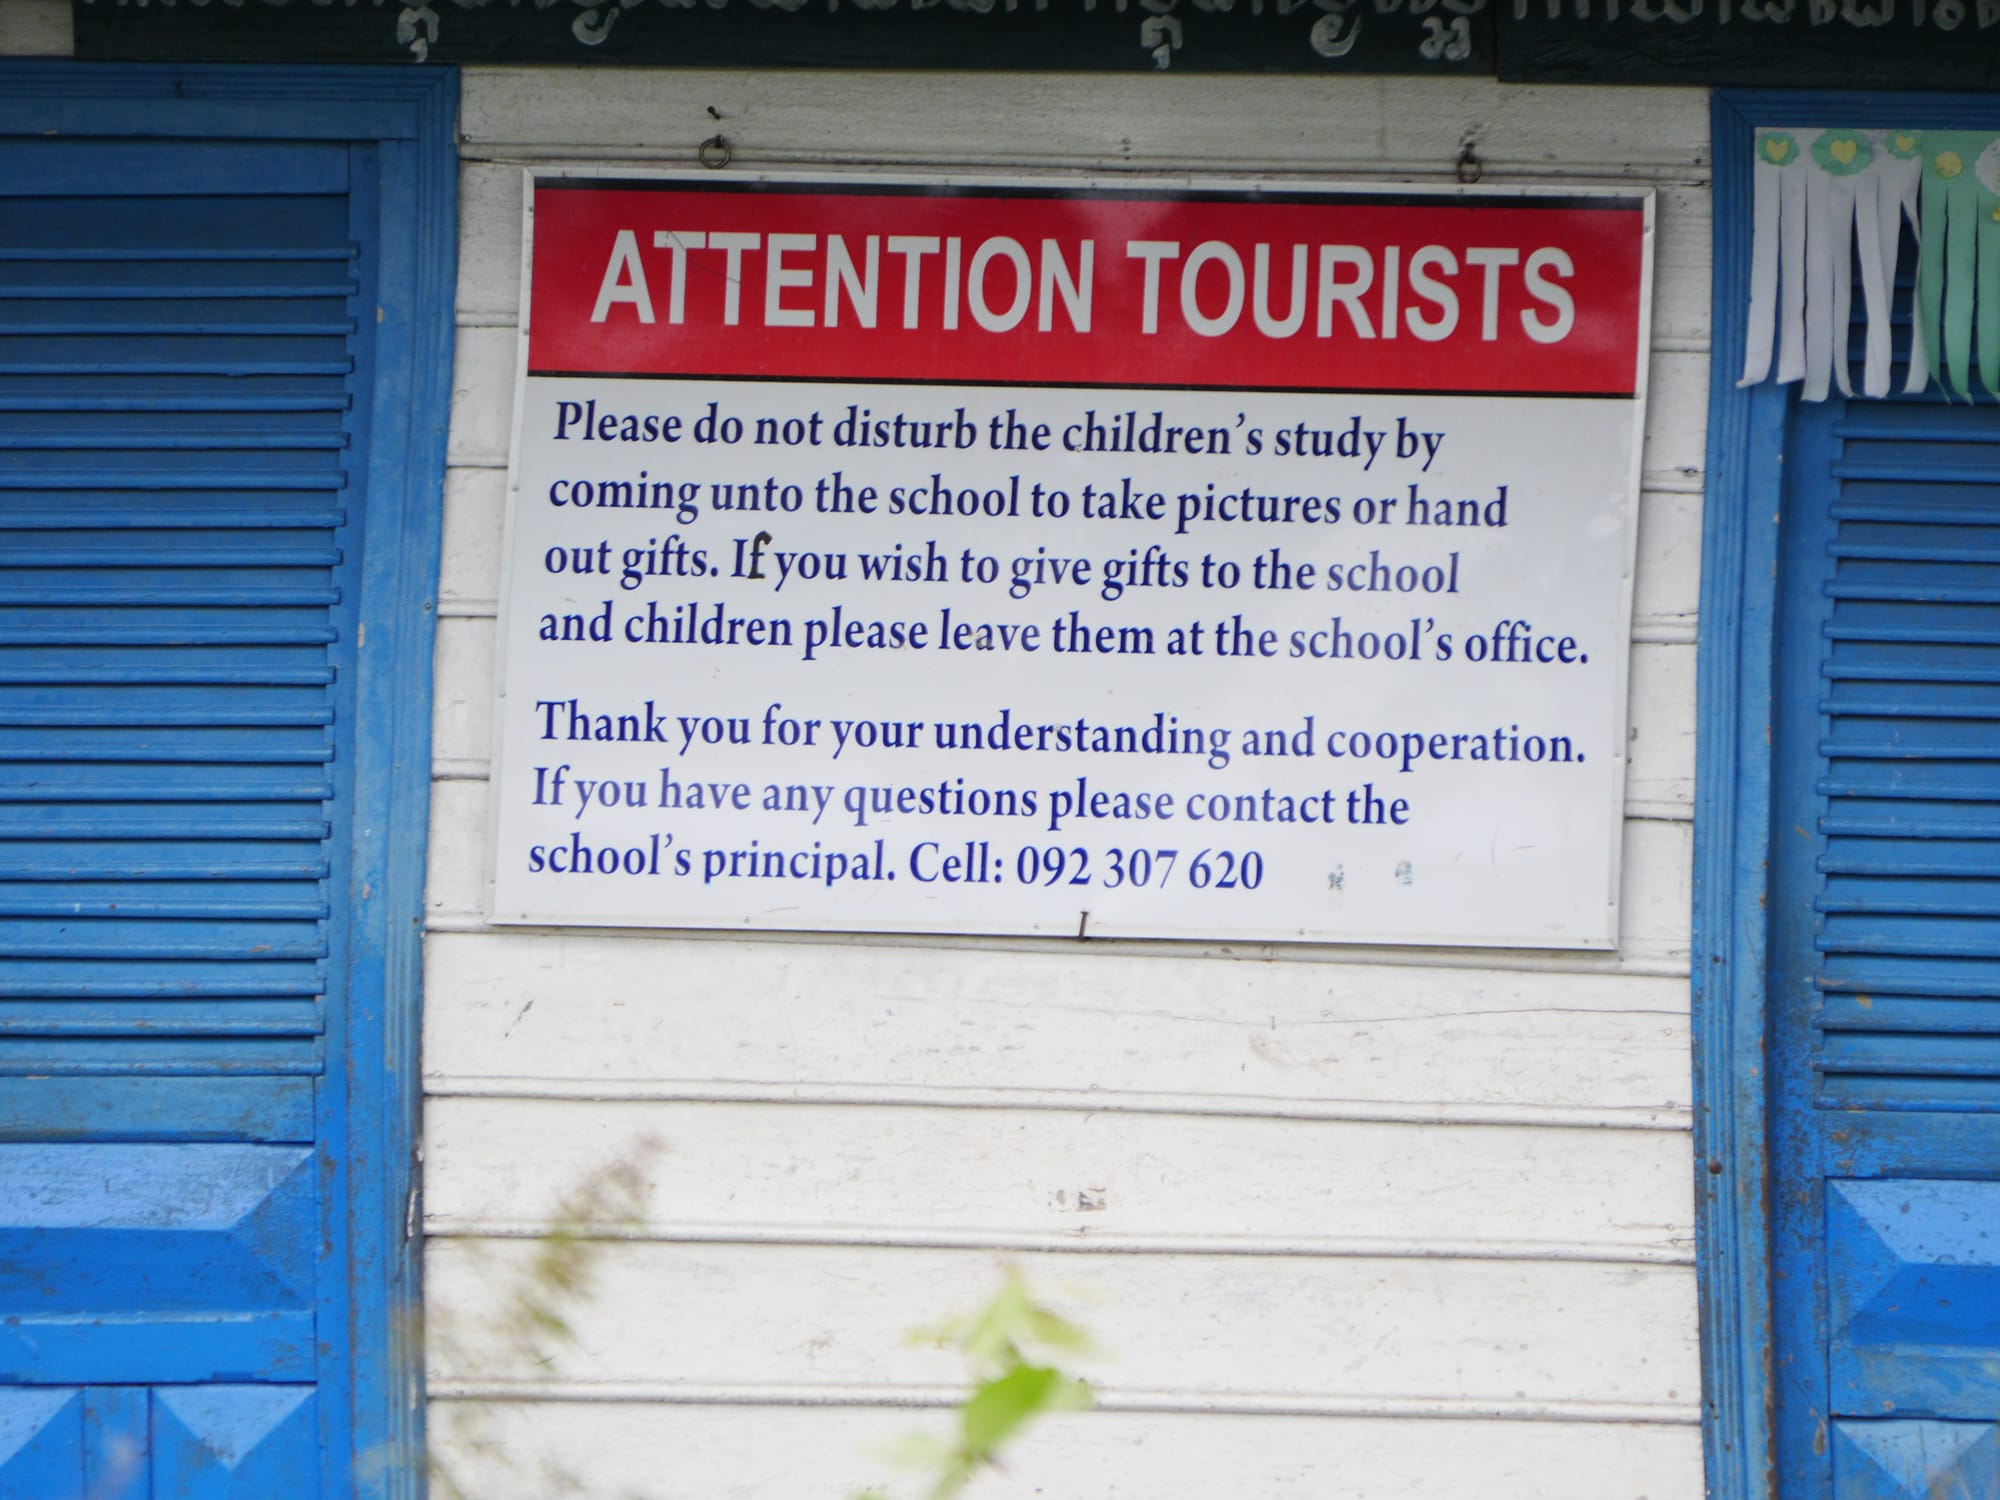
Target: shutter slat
{"type": "Point", "coordinates": [82, 402]}
{"type": "Point", "coordinates": [217, 554]}
{"type": "Point", "coordinates": [158, 1057]}
{"type": "Point", "coordinates": [162, 820]}
{"type": "Point", "coordinates": [169, 253]}
{"type": "Point", "coordinates": [141, 715]}
{"type": "Point", "coordinates": [233, 368]}
{"type": "Point", "coordinates": [161, 478]}
{"type": "Point", "coordinates": [1842, 1012]}
{"type": "Point", "coordinates": [64, 785]}
{"type": "Point", "coordinates": [206, 442]}
{"type": "Point", "coordinates": [45, 904]}
{"type": "Point", "coordinates": [84, 1018]}
{"type": "Point", "coordinates": [144, 328]}
{"type": "Point", "coordinates": [185, 673]}
{"type": "Point", "coordinates": [104, 518]}
{"type": "Point", "coordinates": [122, 593]}
{"type": "Point", "coordinates": [221, 748]}
{"type": "Point", "coordinates": [85, 979]}
{"type": "Point", "coordinates": [185, 289]}
{"type": "Point", "coordinates": [239, 632]}
{"type": "Point", "coordinates": [1909, 594]}
{"type": "Point", "coordinates": [1915, 472]}
{"type": "Point", "coordinates": [211, 859]}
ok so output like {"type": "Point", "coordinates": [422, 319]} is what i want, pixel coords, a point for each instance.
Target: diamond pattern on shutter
{"type": "Point", "coordinates": [175, 415]}
{"type": "Point", "coordinates": [1909, 841]}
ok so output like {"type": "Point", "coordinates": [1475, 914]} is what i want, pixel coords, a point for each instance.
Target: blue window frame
{"type": "Point", "coordinates": [1761, 1066]}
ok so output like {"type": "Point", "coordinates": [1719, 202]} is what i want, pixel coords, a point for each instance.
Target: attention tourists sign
{"type": "Point", "coordinates": [912, 556]}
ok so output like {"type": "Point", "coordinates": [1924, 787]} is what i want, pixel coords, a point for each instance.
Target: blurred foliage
{"type": "Point", "coordinates": [1010, 1346]}
{"type": "Point", "coordinates": [532, 1315]}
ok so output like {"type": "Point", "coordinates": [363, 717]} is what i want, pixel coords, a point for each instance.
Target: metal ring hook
{"type": "Point", "coordinates": [714, 153]}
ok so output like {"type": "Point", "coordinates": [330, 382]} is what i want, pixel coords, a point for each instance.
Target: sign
{"type": "Point", "coordinates": [1820, 44]}
{"type": "Point", "coordinates": [929, 557]}
{"type": "Point", "coordinates": [1861, 44]}
{"type": "Point", "coordinates": [1255, 36]}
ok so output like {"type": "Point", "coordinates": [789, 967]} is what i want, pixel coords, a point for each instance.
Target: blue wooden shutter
{"type": "Point", "coordinates": [1885, 980]}
{"type": "Point", "coordinates": [1910, 900]}
{"type": "Point", "coordinates": [180, 336]}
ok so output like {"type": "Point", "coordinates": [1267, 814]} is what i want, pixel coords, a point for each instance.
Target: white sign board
{"type": "Point", "coordinates": [882, 557]}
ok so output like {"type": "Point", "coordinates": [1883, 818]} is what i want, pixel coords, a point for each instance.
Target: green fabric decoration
{"type": "Point", "coordinates": [1949, 179]}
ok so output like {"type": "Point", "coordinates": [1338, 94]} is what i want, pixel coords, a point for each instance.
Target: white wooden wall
{"type": "Point", "coordinates": [1347, 1223]}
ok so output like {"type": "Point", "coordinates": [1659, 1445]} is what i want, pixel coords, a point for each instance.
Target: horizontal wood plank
{"type": "Point", "coordinates": [1676, 419]}
{"type": "Point", "coordinates": [1660, 729]}
{"type": "Point", "coordinates": [475, 518]}
{"type": "Point", "coordinates": [804, 1015]}
{"type": "Point", "coordinates": [1323, 126]}
{"type": "Point", "coordinates": [1267, 1327]}
{"type": "Point", "coordinates": [1667, 590]}
{"type": "Point", "coordinates": [513, 1451]}
{"type": "Point", "coordinates": [1014, 1176]}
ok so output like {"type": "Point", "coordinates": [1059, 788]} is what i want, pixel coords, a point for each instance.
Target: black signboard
{"type": "Point", "coordinates": [1824, 44]}
{"type": "Point", "coordinates": [1215, 36]}
{"type": "Point", "coordinates": [1827, 44]}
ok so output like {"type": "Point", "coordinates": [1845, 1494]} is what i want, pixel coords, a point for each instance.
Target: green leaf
{"type": "Point", "coordinates": [989, 1340]}
{"type": "Point", "coordinates": [1056, 1331]}
{"type": "Point", "coordinates": [917, 1450]}
{"type": "Point", "coordinates": [999, 1408]}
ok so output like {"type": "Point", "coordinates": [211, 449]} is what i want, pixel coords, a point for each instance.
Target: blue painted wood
{"type": "Point", "coordinates": [128, 1108]}
{"type": "Point", "coordinates": [1913, 1283]}
{"type": "Point", "coordinates": [43, 169]}
{"type": "Point", "coordinates": [159, 1262]}
{"type": "Point", "coordinates": [67, 1056]}
{"type": "Point", "coordinates": [364, 1114]}
{"type": "Point", "coordinates": [1899, 1460]}
{"type": "Point", "coordinates": [117, 1457]}
{"type": "Point", "coordinates": [1732, 824]}
{"type": "Point", "coordinates": [41, 1443]}
{"type": "Point", "coordinates": [78, 1018]}
{"type": "Point", "coordinates": [275, 103]}
{"type": "Point", "coordinates": [243, 1442]}
{"type": "Point", "coordinates": [1762, 1430]}
{"type": "Point", "coordinates": [412, 349]}
{"type": "Point", "coordinates": [200, 1345]}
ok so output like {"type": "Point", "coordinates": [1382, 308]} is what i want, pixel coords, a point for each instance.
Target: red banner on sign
{"type": "Point", "coordinates": [1355, 293]}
